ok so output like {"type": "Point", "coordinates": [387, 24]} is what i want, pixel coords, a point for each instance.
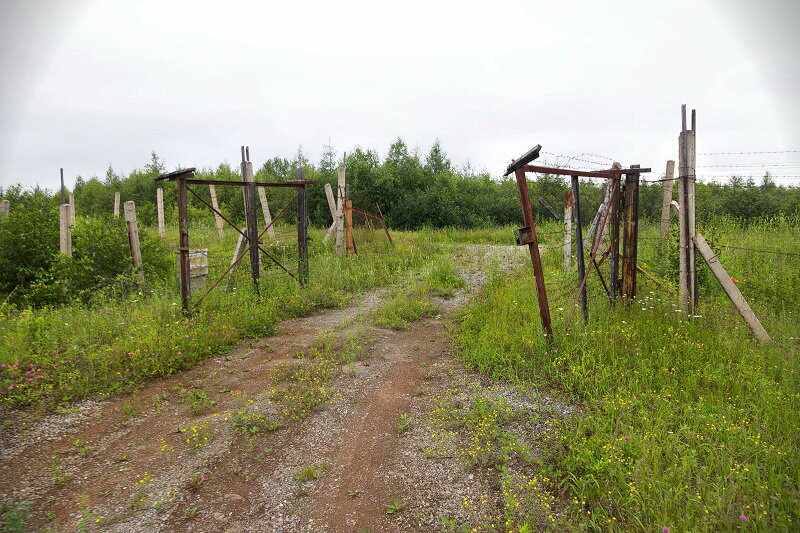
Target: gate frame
{"type": "Point", "coordinates": [185, 177]}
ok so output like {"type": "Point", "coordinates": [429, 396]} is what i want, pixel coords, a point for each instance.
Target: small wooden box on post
{"type": "Point", "coordinates": [527, 234]}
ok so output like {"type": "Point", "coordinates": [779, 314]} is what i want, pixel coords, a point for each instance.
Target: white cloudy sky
{"type": "Point", "coordinates": [92, 83]}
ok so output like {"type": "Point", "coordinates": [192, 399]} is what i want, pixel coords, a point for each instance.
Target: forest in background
{"type": "Point", "coordinates": [413, 191]}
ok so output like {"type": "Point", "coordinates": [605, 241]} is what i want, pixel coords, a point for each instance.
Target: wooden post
{"type": "Point", "coordinates": [332, 207]}
{"type": "Point", "coordinates": [116, 204]}
{"type": "Point", "coordinates": [65, 230]}
{"type": "Point", "coordinates": [730, 288]}
{"type": "Point", "coordinates": [218, 219]}
{"type": "Point", "coordinates": [239, 248]}
{"type": "Point", "coordinates": [533, 247]}
{"type": "Point", "coordinates": [160, 207]}
{"type": "Point", "coordinates": [579, 248]}
{"type": "Point", "coordinates": [613, 260]}
{"type": "Point", "coordinates": [600, 210]}
{"type": "Point", "coordinates": [567, 229]}
{"type": "Point", "coordinates": [133, 238]}
{"type": "Point", "coordinates": [348, 217]}
{"type": "Point", "coordinates": [5, 208]}
{"type": "Point", "coordinates": [262, 196]}
{"type": "Point", "coordinates": [340, 212]}
{"type": "Point", "coordinates": [302, 231]}
{"type": "Point", "coordinates": [251, 219]}
{"type": "Point", "coordinates": [665, 205]}
{"type": "Point", "coordinates": [183, 243]}
{"type": "Point", "coordinates": [691, 218]}
{"type": "Point", "coordinates": [683, 220]}
{"type": "Point", "coordinates": [630, 236]}
{"type": "Point", "coordinates": [72, 209]}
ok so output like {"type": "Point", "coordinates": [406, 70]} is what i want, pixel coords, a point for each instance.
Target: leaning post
{"type": "Point", "coordinates": [669, 182]}
{"type": "Point", "coordinates": [527, 235]}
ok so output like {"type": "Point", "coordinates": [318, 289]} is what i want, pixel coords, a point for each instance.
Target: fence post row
{"type": "Point", "coordinates": [116, 204]}
{"type": "Point", "coordinates": [133, 238]}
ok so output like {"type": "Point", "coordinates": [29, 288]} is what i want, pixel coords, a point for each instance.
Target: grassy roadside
{"type": "Point", "coordinates": [686, 423]}
{"type": "Point", "coordinates": [53, 356]}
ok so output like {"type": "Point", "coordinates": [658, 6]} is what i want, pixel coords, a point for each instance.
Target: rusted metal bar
{"type": "Point", "coordinates": [302, 231]}
{"type": "Point", "coordinates": [579, 246]}
{"type": "Point", "coordinates": [526, 158]}
{"type": "Point", "coordinates": [217, 211]}
{"type": "Point", "coordinates": [531, 239]}
{"type": "Point", "coordinates": [600, 274]}
{"type": "Point", "coordinates": [183, 245]}
{"type": "Point", "coordinates": [549, 208]}
{"type": "Point", "coordinates": [608, 173]}
{"type": "Point", "coordinates": [630, 237]}
{"type": "Point", "coordinates": [383, 223]}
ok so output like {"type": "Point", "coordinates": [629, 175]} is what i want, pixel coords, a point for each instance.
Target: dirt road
{"type": "Point", "coordinates": [199, 451]}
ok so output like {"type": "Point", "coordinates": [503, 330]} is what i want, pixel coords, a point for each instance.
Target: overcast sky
{"type": "Point", "coordinates": [88, 84]}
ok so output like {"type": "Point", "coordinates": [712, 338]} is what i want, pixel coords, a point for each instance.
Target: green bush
{"type": "Point", "coordinates": [33, 273]}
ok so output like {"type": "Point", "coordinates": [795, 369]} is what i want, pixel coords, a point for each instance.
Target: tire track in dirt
{"type": "Point", "coordinates": [245, 483]}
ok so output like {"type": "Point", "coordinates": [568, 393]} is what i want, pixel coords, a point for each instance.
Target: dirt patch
{"type": "Point", "coordinates": [200, 451]}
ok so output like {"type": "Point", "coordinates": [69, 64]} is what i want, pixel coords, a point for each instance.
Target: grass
{"type": "Point", "coordinates": [50, 357]}
{"type": "Point", "coordinates": [311, 472]}
{"type": "Point", "coordinates": [687, 422]}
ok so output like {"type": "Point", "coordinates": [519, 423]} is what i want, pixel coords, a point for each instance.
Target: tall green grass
{"type": "Point", "coordinates": [685, 422]}
{"type": "Point", "coordinates": [52, 356]}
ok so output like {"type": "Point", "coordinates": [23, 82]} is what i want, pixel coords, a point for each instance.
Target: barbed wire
{"type": "Point", "coordinates": [752, 153]}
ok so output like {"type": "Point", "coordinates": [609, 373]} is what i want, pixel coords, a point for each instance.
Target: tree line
{"type": "Point", "coordinates": [412, 190]}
